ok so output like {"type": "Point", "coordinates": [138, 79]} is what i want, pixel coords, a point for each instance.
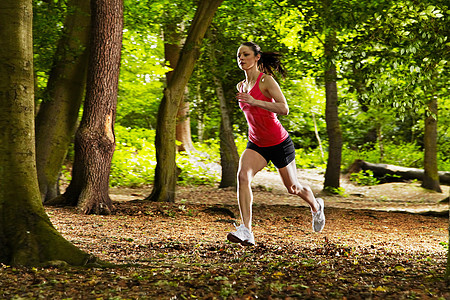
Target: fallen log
{"type": "Point", "coordinates": [391, 173]}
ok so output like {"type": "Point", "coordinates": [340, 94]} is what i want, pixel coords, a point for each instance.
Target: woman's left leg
{"type": "Point", "coordinates": [289, 176]}
{"type": "Point", "coordinates": [290, 180]}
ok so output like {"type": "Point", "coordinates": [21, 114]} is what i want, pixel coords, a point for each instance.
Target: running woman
{"type": "Point", "coordinates": [261, 100]}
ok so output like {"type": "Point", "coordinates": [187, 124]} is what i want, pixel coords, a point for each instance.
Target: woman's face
{"type": "Point", "coordinates": [246, 58]}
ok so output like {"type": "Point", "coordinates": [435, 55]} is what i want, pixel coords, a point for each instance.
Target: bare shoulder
{"type": "Point", "coordinates": [268, 82]}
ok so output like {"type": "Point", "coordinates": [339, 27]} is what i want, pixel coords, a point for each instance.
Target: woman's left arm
{"type": "Point", "coordinates": [270, 88]}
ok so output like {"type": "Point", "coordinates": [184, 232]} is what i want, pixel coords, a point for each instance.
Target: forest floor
{"type": "Point", "coordinates": [381, 242]}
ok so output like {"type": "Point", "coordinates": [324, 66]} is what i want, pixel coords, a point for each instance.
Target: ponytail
{"type": "Point", "coordinates": [269, 61]}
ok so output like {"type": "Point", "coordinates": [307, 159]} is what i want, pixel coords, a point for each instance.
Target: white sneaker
{"type": "Point", "coordinates": [242, 236]}
{"type": "Point", "coordinates": [318, 217]}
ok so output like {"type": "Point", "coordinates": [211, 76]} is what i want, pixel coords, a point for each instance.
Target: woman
{"type": "Point", "coordinates": [261, 99]}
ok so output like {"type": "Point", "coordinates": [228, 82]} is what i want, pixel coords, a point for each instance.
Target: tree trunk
{"type": "Point", "coordinates": [229, 157]}
{"type": "Point", "coordinates": [183, 128]}
{"type": "Point", "coordinates": [95, 140]}
{"type": "Point", "coordinates": [431, 177]}
{"type": "Point", "coordinates": [380, 140]}
{"type": "Point", "coordinates": [319, 141]}
{"type": "Point", "coordinates": [166, 171]}
{"type": "Point", "coordinates": [58, 113]}
{"type": "Point", "coordinates": [172, 48]}
{"type": "Point", "coordinates": [391, 173]}
{"type": "Point", "coordinates": [27, 236]}
{"type": "Point", "coordinates": [333, 171]}
{"type": "Point", "coordinates": [200, 117]}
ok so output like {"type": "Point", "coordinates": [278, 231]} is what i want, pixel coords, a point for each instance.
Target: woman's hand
{"type": "Point", "coordinates": [245, 98]}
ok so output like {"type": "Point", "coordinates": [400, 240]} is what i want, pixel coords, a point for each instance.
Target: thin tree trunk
{"type": "Point", "coordinates": [333, 170]}
{"type": "Point", "coordinates": [431, 177]}
{"type": "Point", "coordinates": [57, 118]}
{"type": "Point", "coordinates": [27, 236]}
{"type": "Point", "coordinates": [172, 49]}
{"type": "Point", "coordinates": [95, 140]}
{"type": "Point", "coordinates": [380, 141]}
{"type": "Point", "coordinates": [200, 118]}
{"type": "Point", "coordinates": [166, 171]}
{"type": "Point", "coordinates": [319, 141]}
{"type": "Point", "coordinates": [183, 129]}
{"type": "Point", "coordinates": [229, 157]}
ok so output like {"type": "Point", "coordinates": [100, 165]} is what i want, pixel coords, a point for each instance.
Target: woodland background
{"type": "Point", "coordinates": [94, 93]}
{"type": "Point", "coordinates": [391, 65]}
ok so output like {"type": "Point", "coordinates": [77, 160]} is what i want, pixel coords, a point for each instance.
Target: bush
{"type": "Point", "coordinates": [364, 178]}
{"type": "Point", "coordinates": [134, 160]}
{"type": "Point", "coordinates": [201, 167]}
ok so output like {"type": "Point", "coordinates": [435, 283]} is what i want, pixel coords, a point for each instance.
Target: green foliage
{"type": "Point", "coordinates": [364, 178]}
{"type": "Point", "coordinates": [201, 167]}
{"type": "Point", "coordinates": [393, 154]}
{"type": "Point", "coordinates": [48, 18]}
{"type": "Point", "coordinates": [305, 159]}
{"type": "Point", "coordinates": [391, 58]}
{"type": "Point", "coordinates": [134, 159]}
{"type": "Point", "coordinates": [336, 191]}
{"type": "Point", "coordinates": [141, 80]}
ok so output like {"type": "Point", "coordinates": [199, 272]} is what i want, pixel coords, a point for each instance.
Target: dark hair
{"type": "Point", "coordinates": [269, 61]}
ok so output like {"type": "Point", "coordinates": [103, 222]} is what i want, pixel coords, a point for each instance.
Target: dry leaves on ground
{"type": "Point", "coordinates": [179, 251]}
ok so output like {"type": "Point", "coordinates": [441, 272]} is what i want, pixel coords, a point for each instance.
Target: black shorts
{"type": "Point", "coordinates": [281, 155]}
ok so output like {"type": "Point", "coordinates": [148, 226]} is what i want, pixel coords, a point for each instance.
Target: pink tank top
{"type": "Point", "coordinates": [264, 128]}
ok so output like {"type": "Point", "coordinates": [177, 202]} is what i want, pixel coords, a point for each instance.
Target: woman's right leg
{"type": "Point", "coordinates": [251, 162]}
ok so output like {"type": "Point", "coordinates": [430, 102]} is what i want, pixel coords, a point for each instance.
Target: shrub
{"type": "Point", "coordinates": [134, 160]}
{"type": "Point", "coordinates": [364, 178]}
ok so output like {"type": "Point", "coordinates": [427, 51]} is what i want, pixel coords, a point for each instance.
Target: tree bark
{"type": "Point", "coordinates": [391, 173]}
{"type": "Point", "coordinates": [333, 170]}
{"type": "Point", "coordinates": [166, 171]}
{"type": "Point", "coordinates": [57, 118]}
{"type": "Point", "coordinates": [229, 157]}
{"type": "Point", "coordinates": [27, 236]}
{"type": "Point", "coordinates": [183, 128]}
{"type": "Point", "coordinates": [431, 177]}
{"type": "Point", "coordinates": [319, 141]}
{"type": "Point", "coordinates": [172, 49]}
{"type": "Point", "coordinates": [95, 140]}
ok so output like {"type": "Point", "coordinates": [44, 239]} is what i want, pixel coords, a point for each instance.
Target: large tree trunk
{"type": "Point", "coordinates": [166, 171]}
{"type": "Point", "coordinates": [229, 157]}
{"type": "Point", "coordinates": [333, 171]}
{"type": "Point", "coordinates": [95, 140]}
{"type": "Point", "coordinates": [27, 236]}
{"type": "Point", "coordinates": [431, 177]}
{"type": "Point", "coordinates": [58, 113]}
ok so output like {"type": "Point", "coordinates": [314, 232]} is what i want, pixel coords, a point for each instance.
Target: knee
{"type": "Point", "coordinates": [243, 177]}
